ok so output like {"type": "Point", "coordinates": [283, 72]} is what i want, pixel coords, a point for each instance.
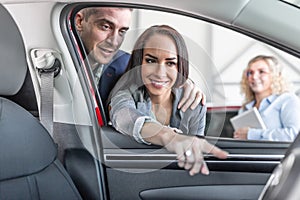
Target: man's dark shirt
{"type": "Point", "coordinates": [111, 74]}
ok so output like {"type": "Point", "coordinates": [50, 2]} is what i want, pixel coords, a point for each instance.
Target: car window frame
{"type": "Point", "coordinates": [72, 8]}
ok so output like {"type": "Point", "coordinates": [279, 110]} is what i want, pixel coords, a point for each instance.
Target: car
{"type": "Point", "coordinates": [99, 162]}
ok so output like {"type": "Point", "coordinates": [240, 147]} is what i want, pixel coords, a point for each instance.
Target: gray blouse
{"type": "Point", "coordinates": [131, 108]}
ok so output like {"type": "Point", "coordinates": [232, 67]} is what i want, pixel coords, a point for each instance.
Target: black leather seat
{"type": "Point", "coordinates": [29, 168]}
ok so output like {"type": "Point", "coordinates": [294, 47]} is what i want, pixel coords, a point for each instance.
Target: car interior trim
{"type": "Point", "coordinates": [172, 157]}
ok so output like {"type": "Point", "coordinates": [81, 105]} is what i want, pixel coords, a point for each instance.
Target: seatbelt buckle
{"type": "Point", "coordinates": [47, 63]}
{"type": "Point", "coordinates": [55, 68]}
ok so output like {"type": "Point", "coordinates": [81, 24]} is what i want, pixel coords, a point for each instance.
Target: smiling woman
{"type": "Point", "coordinates": [266, 89]}
{"type": "Point", "coordinates": [144, 101]}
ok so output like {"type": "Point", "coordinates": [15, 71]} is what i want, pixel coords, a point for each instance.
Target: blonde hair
{"type": "Point", "coordinates": [279, 83]}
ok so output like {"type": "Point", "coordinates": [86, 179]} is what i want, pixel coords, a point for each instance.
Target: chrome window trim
{"type": "Point", "coordinates": [172, 157]}
{"type": "Point", "coordinates": [158, 161]}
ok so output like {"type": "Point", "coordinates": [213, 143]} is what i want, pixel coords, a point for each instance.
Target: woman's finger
{"type": "Point", "coordinates": [189, 159]}
{"type": "Point", "coordinates": [198, 160]}
{"type": "Point", "coordinates": [180, 156]}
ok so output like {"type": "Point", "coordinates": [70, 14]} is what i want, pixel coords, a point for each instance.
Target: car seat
{"type": "Point", "coordinates": [29, 168]}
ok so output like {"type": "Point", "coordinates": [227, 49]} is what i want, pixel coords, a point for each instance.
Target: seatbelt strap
{"type": "Point", "coordinates": [46, 115]}
{"type": "Point", "coordinates": [48, 67]}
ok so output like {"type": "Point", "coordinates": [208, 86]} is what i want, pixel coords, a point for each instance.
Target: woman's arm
{"type": "Point", "coordinates": [289, 119]}
{"type": "Point", "coordinates": [181, 144]}
{"type": "Point", "coordinates": [128, 120]}
{"type": "Point", "coordinates": [125, 116]}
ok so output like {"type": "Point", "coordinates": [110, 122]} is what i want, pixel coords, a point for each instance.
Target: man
{"type": "Point", "coordinates": [102, 31]}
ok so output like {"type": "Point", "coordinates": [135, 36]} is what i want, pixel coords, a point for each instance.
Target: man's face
{"type": "Point", "coordinates": [103, 32]}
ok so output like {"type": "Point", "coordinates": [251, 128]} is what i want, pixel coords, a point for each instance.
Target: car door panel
{"type": "Point", "coordinates": [150, 172]}
{"type": "Point", "coordinates": [127, 184]}
{"type": "Point", "coordinates": [232, 192]}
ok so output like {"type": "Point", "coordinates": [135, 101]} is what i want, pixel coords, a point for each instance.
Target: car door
{"type": "Point", "coordinates": [137, 171]}
{"type": "Point", "coordinates": [148, 172]}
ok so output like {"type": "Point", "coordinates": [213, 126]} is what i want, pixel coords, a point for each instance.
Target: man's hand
{"type": "Point", "coordinates": [192, 96]}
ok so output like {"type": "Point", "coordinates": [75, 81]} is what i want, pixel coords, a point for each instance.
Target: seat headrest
{"type": "Point", "coordinates": [25, 145]}
{"type": "Point", "coordinates": [13, 65]}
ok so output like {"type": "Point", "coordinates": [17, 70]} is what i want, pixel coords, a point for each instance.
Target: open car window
{"type": "Point", "coordinates": [217, 56]}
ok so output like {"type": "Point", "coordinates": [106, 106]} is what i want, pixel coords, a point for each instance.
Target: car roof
{"type": "Point", "coordinates": [277, 19]}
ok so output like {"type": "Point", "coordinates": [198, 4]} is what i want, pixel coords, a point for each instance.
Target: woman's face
{"type": "Point", "coordinates": [259, 78]}
{"type": "Point", "coordinates": [160, 65]}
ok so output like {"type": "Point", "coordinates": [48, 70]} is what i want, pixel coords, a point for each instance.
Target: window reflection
{"type": "Point", "coordinates": [218, 57]}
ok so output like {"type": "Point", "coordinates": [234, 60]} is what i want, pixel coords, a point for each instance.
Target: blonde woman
{"type": "Point", "coordinates": [266, 89]}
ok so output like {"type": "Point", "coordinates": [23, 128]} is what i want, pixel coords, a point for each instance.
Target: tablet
{"type": "Point", "coordinates": [250, 118]}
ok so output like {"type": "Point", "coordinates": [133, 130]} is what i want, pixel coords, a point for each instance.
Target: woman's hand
{"type": "Point", "coordinates": [187, 148]}
{"type": "Point", "coordinates": [189, 152]}
{"type": "Point", "coordinates": [241, 133]}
